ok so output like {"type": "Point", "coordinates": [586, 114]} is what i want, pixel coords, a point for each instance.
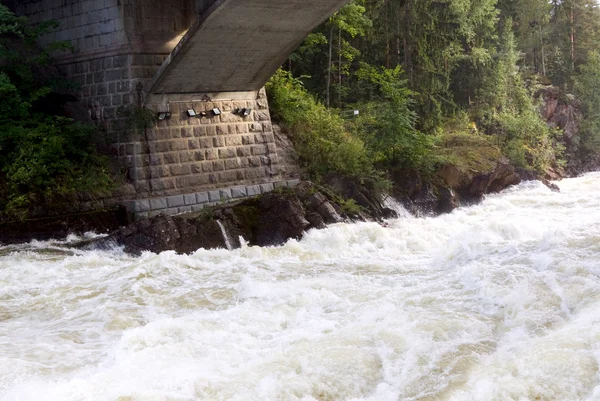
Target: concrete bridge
{"type": "Point", "coordinates": [171, 56]}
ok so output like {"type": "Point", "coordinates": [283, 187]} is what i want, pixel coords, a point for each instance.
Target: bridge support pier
{"type": "Point", "coordinates": [206, 144]}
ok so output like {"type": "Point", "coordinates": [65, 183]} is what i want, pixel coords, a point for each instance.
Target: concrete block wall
{"type": "Point", "coordinates": [119, 47]}
{"type": "Point", "coordinates": [193, 202]}
{"type": "Point", "coordinates": [188, 154]}
{"type": "Point", "coordinates": [90, 25]}
{"type": "Point", "coordinates": [96, 26]}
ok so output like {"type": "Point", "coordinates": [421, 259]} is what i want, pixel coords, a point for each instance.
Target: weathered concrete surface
{"type": "Point", "coordinates": [236, 45]}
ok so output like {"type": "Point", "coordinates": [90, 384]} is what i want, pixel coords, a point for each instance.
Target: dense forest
{"type": "Point", "coordinates": [423, 74]}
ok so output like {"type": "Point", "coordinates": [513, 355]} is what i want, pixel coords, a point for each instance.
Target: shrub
{"type": "Point", "coordinates": [320, 137]}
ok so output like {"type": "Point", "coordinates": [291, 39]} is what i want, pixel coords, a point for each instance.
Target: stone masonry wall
{"type": "Point", "coordinates": [186, 154]}
{"type": "Point", "coordinates": [119, 47]}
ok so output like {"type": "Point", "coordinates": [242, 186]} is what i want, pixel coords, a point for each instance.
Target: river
{"type": "Point", "coordinates": [499, 301]}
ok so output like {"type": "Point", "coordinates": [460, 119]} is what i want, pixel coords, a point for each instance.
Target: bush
{"type": "Point", "coordinates": [587, 89]}
{"type": "Point", "coordinates": [319, 135]}
{"type": "Point", "coordinates": [387, 123]}
{"type": "Point", "coordinates": [41, 155]}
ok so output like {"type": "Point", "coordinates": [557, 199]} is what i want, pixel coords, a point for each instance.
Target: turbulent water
{"type": "Point", "coordinates": [499, 301]}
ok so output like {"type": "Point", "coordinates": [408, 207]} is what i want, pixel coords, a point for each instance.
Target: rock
{"type": "Point", "coordinates": [447, 201]}
{"type": "Point", "coordinates": [425, 201]}
{"type": "Point", "coordinates": [388, 213]}
{"type": "Point", "coordinates": [525, 175]}
{"type": "Point", "coordinates": [328, 212]}
{"type": "Point", "coordinates": [315, 220]}
{"type": "Point", "coordinates": [407, 183]}
{"type": "Point", "coordinates": [164, 233]}
{"type": "Point", "coordinates": [452, 176]}
{"type": "Point", "coordinates": [553, 187]}
{"type": "Point", "coordinates": [363, 194]}
{"type": "Point", "coordinates": [281, 218]}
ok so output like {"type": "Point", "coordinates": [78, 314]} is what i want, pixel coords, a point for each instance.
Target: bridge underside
{"type": "Point", "coordinates": [236, 45]}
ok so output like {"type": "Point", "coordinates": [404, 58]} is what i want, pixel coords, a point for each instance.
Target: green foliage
{"type": "Point", "coordinates": [460, 56]}
{"type": "Point", "coordinates": [387, 124]}
{"type": "Point", "coordinates": [320, 137]}
{"type": "Point", "coordinates": [42, 156]}
{"type": "Point", "coordinates": [350, 207]}
{"type": "Point", "coordinates": [51, 157]}
{"type": "Point", "coordinates": [587, 88]}
{"type": "Point", "coordinates": [507, 109]}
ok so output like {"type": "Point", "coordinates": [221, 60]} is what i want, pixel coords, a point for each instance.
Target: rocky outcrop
{"type": "Point", "coordinates": [270, 219]}
{"type": "Point", "coordinates": [451, 187]}
{"type": "Point", "coordinates": [563, 111]}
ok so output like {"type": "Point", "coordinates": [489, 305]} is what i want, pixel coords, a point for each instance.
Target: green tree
{"type": "Point", "coordinates": [587, 89]}
{"type": "Point", "coordinates": [42, 155]}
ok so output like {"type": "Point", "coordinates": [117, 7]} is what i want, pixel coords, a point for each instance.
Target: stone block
{"type": "Point", "coordinates": [258, 150]}
{"type": "Point", "coordinates": [233, 140]}
{"type": "Point", "coordinates": [196, 168]}
{"type": "Point", "coordinates": [205, 143]}
{"type": "Point", "coordinates": [225, 194]}
{"type": "Point", "coordinates": [198, 156]}
{"type": "Point", "coordinates": [293, 183]}
{"type": "Point", "coordinates": [231, 164]}
{"type": "Point", "coordinates": [175, 201]}
{"type": "Point", "coordinates": [113, 75]}
{"type": "Point", "coordinates": [197, 208]}
{"type": "Point", "coordinates": [254, 161]}
{"type": "Point", "coordinates": [211, 154]}
{"type": "Point", "coordinates": [189, 199]}
{"type": "Point", "coordinates": [193, 144]}
{"type": "Point", "coordinates": [202, 197]}
{"type": "Point", "coordinates": [214, 196]}
{"type": "Point", "coordinates": [200, 131]}
{"type": "Point", "coordinates": [218, 142]}
{"type": "Point", "coordinates": [162, 184]}
{"type": "Point", "coordinates": [222, 130]}
{"type": "Point", "coordinates": [243, 151]}
{"type": "Point", "coordinates": [142, 205]}
{"type": "Point", "coordinates": [268, 187]}
{"type": "Point", "coordinates": [141, 216]}
{"type": "Point", "coordinates": [239, 192]}
{"type": "Point", "coordinates": [218, 165]}
{"type": "Point", "coordinates": [248, 139]}
{"type": "Point", "coordinates": [171, 158]}
{"type": "Point", "coordinates": [253, 190]}
{"type": "Point", "coordinates": [226, 153]}
{"type": "Point", "coordinates": [280, 184]}
{"type": "Point", "coordinates": [207, 167]}
{"type": "Point", "coordinates": [175, 132]}
{"type": "Point", "coordinates": [184, 209]}
{"type": "Point", "coordinates": [255, 127]}
{"type": "Point", "coordinates": [180, 169]}
{"type": "Point", "coordinates": [185, 157]}
{"type": "Point", "coordinates": [158, 203]}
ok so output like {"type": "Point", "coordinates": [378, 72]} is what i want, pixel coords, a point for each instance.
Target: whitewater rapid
{"type": "Point", "coordinates": [499, 301]}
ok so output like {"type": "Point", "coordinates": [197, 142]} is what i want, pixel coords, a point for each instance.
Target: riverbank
{"type": "Point", "coordinates": [274, 218]}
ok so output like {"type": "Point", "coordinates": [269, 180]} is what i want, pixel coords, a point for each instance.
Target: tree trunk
{"type": "Point", "coordinates": [329, 62]}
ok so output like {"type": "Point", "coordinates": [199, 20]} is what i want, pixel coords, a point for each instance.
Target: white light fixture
{"type": "Point", "coordinates": [216, 111]}
{"type": "Point", "coordinates": [164, 115]}
{"type": "Point", "coordinates": [246, 112]}
{"type": "Point", "coordinates": [191, 113]}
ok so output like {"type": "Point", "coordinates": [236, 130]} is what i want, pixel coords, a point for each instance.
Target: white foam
{"type": "Point", "coordinates": [499, 301]}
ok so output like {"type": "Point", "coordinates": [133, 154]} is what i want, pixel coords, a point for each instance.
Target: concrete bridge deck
{"type": "Point", "coordinates": [236, 45]}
